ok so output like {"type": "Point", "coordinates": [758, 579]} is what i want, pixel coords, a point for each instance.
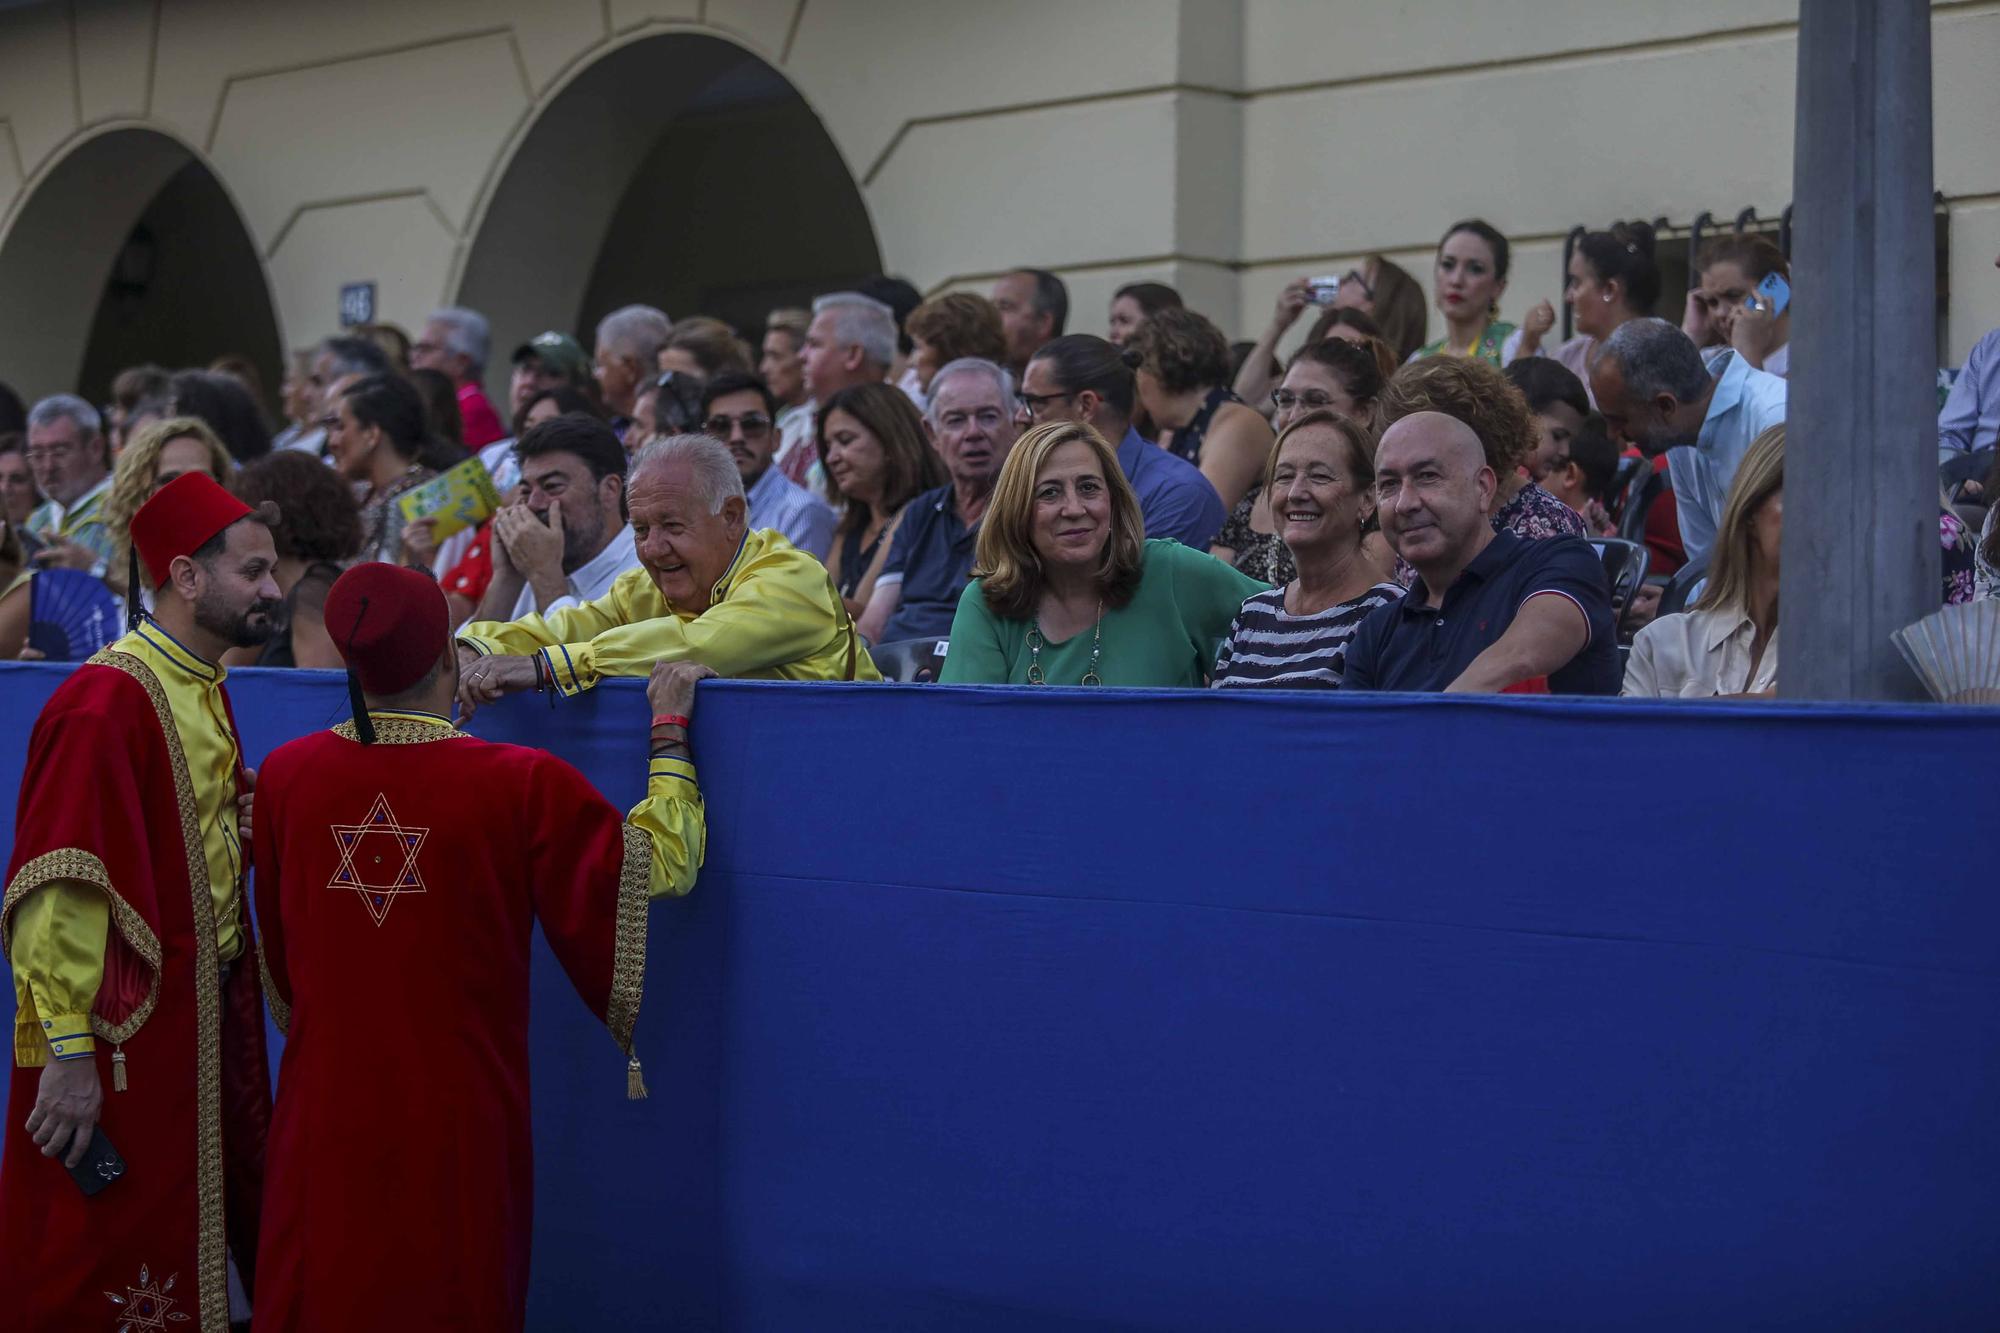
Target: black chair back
{"type": "Point", "coordinates": [909, 660]}
{"type": "Point", "coordinates": [1624, 569]}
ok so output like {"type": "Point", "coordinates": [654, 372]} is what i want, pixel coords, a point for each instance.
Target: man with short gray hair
{"type": "Point", "coordinates": [71, 462]}
{"type": "Point", "coordinates": [1656, 393]}
{"type": "Point", "coordinates": [971, 422]}
{"type": "Point", "coordinates": [851, 341]}
{"type": "Point", "coordinates": [629, 340]}
{"type": "Point", "coordinates": [454, 343]}
{"type": "Point", "coordinates": [708, 589]}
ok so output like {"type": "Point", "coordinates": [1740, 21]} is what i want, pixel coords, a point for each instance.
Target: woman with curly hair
{"type": "Point", "coordinates": [156, 454]}
{"type": "Point", "coordinates": [946, 328]}
{"type": "Point", "coordinates": [1479, 395]}
{"type": "Point", "coordinates": [318, 534]}
{"type": "Point", "coordinates": [1067, 590]}
{"type": "Point", "coordinates": [1183, 376]}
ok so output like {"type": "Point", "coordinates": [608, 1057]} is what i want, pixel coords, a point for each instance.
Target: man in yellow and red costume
{"type": "Point", "coordinates": [125, 925]}
{"type": "Point", "coordinates": [402, 866]}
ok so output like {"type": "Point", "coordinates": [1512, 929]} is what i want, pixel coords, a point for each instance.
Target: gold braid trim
{"type": "Point", "coordinates": [394, 731]}
{"type": "Point", "coordinates": [73, 863]}
{"type": "Point", "coordinates": [628, 953]}
{"type": "Point", "coordinates": [211, 1247]}
{"type": "Point", "coordinates": [281, 1013]}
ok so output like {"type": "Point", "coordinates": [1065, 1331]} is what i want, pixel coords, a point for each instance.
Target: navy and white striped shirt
{"type": "Point", "coordinates": [1270, 648]}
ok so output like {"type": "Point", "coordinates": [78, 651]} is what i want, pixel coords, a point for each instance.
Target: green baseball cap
{"type": "Point", "coordinates": [557, 351]}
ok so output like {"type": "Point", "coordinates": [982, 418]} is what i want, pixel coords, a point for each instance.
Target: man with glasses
{"type": "Point", "coordinates": [740, 410]}
{"type": "Point", "coordinates": [71, 463]}
{"type": "Point", "coordinates": [1081, 377]}
{"type": "Point", "coordinates": [565, 541]}
{"type": "Point", "coordinates": [454, 342]}
{"type": "Point", "coordinates": [973, 420]}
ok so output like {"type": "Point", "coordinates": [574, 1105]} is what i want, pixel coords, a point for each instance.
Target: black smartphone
{"type": "Point", "coordinates": [100, 1166]}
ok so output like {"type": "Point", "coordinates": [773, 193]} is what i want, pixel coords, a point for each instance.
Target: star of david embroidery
{"type": "Point", "coordinates": [147, 1305]}
{"type": "Point", "coordinates": [378, 858]}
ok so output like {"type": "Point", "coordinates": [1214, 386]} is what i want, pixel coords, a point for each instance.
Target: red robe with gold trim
{"type": "Point", "coordinates": [106, 800]}
{"type": "Point", "coordinates": [398, 886]}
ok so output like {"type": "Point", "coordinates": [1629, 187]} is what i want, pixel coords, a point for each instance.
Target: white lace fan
{"type": "Point", "coordinates": [1956, 652]}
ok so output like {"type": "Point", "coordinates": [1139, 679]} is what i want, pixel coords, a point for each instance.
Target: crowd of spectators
{"type": "Point", "coordinates": [964, 482]}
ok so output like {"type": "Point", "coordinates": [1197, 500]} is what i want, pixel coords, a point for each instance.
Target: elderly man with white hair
{"type": "Point", "coordinates": [454, 343]}
{"type": "Point", "coordinates": [708, 589]}
{"type": "Point", "coordinates": [627, 358]}
{"type": "Point", "coordinates": [971, 422]}
{"type": "Point", "coordinates": [851, 340]}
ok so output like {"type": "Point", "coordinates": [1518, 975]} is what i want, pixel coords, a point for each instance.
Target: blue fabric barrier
{"type": "Point", "coordinates": [1117, 1009]}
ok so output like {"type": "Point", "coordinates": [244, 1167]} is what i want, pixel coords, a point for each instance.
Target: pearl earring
{"type": "Point", "coordinates": [1607, 296]}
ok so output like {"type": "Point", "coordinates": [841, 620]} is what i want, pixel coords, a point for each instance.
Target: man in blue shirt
{"type": "Point", "coordinates": [1970, 419]}
{"type": "Point", "coordinates": [1083, 378]}
{"type": "Point", "coordinates": [1655, 392]}
{"type": "Point", "coordinates": [1489, 612]}
{"type": "Point", "coordinates": [971, 420]}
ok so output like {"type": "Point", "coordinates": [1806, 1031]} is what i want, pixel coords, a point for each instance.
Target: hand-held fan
{"type": "Point", "coordinates": [70, 614]}
{"type": "Point", "coordinates": [1956, 652]}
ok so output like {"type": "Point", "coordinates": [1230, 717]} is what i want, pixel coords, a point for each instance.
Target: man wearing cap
{"type": "Point", "coordinates": [125, 924]}
{"type": "Point", "coordinates": [398, 915]}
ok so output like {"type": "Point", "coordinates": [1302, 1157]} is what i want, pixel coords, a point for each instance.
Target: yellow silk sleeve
{"type": "Point", "coordinates": [57, 951]}
{"type": "Point", "coordinates": [675, 824]}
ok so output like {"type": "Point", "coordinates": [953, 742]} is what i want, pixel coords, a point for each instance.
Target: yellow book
{"type": "Point", "coordinates": [460, 498]}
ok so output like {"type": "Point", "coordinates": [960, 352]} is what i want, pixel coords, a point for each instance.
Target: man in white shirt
{"type": "Point", "coordinates": [851, 340]}
{"type": "Point", "coordinates": [1656, 393]}
{"type": "Point", "coordinates": [741, 411]}
{"type": "Point", "coordinates": [566, 539]}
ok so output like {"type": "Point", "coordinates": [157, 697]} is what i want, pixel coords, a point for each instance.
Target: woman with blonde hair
{"type": "Point", "coordinates": [1066, 590]}
{"type": "Point", "coordinates": [1726, 645]}
{"type": "Point", "coordinates": [154, 456]}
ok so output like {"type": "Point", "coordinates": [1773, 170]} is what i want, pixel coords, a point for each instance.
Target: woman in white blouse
{"type": "Point", "coordinates": [1727, 645]}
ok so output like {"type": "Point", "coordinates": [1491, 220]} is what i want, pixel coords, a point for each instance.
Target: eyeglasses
{"type": "Point", "coordinates": [48, 453]}
{"type": "Point", "coordinates": [754, 425]}
{"type": "Point", "coordinates": [1353, 275]}
{"type": "Point", "coordinates": [1036, 403]}
{"type": "Point", "coordinates": [1313, 400]}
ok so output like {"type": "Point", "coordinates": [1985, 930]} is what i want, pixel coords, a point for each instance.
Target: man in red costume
{"type": "Point", "coordinates": [125, 925]}
{"type": "Point", "coordinates": [401, 868]}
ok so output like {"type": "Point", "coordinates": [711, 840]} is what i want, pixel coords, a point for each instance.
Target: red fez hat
{"type": "Point", "coordinates": [390, 624]}
{"type": "Point", "coordinates": [179, 520]}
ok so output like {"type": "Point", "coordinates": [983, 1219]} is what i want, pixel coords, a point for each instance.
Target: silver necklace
{"type": "Point", "coordinates": [1090, 676]}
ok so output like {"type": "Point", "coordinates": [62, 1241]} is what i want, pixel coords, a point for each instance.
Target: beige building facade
{"type": "Point", "coordinates": [183, 178]}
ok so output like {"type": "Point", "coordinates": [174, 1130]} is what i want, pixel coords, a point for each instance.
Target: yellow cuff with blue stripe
{"type": "Point", "coordinates": [671, 769]}
{"type": "Point", "coordinates": [565, 664]}
{"type": "Point", "coordinates": [69, 1036]}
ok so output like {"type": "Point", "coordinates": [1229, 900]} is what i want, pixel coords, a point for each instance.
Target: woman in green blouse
{"type": "Point", "coordinates": [1067, 590]}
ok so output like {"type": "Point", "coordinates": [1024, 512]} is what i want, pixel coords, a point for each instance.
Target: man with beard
{"type": "Point", "coordinates": [398, 915]}
{"type": "Point", "coordinates": [1657, 393]}
{"type": "Point", "coordinates": [741, 411]}
{"type": "Point", "coordinates": [565, 540]}
{"type": "Point", "coordinates": [125, 925]}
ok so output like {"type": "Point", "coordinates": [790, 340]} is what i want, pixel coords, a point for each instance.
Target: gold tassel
{"type": "Point", "coordinates": [118, 1069]}
{"type": "Point", "coordinates": [635, 1081]}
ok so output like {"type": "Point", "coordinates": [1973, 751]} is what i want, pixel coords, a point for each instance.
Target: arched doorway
{"type": "Point", "coordinates": [679, 170]}
{"type": "Point", "coordinates": [129, 250]}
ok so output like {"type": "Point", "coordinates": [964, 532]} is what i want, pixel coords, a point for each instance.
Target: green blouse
{"type": "Point", "coordinates": [1166, 635]}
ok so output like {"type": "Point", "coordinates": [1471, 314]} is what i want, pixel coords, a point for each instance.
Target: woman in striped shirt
{"type": "Point", "coordinates": [1322, 498]}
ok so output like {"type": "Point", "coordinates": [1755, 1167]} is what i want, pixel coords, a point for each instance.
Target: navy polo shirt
{"type": "Point", "coordinates": [1407, 645]}
{"type": "Point", "coordinates": [931, 555]}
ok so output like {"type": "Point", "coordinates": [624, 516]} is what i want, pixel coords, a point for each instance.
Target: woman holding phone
{"type": "Point", "coordinates": [1744, 302]}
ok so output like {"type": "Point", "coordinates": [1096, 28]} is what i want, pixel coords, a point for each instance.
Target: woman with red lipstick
{"type": "Point", "coordinates": [1067, 590]}
{"type": "Point", "coordinates": [1471, 274]}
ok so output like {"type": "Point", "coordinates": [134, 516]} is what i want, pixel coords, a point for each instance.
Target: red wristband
{"type": "Point", "coordinates": [670, 720]}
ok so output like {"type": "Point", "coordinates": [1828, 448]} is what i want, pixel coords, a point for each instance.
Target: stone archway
{"type": "Point", "coordinates": [129, 250]}
{"type": "Point", "coordinates": [679, 170]}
